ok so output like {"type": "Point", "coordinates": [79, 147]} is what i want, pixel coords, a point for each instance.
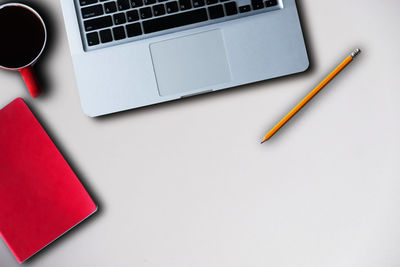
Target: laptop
{"type": "Point", "coordinates": [133, 53]}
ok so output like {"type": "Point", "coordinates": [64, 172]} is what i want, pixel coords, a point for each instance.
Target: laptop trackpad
{"type": "Point", "coordinates": [190, 63]}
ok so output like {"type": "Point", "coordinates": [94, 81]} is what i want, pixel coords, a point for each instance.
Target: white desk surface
{"type": "Point", "coordinates": [187, 184]}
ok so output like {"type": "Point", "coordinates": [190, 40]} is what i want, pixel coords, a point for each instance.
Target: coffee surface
{"type": "Point", "coordinates": [22, 36]}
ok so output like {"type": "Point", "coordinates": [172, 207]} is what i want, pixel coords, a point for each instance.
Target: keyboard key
{"type": "Point", "coordinates": [257, 4]}
{"type": "Point", "coordinates": [95, 24]}
{"type": "Point", "coordinates": [230, 8]}
{"type": "Point", "coordinates": [198, 3]}
{"type": "Point", "coordinates": [145, 12]}
{"type": "Point", "coordinates": [119, 18]}
{"type": "Point", "coordinates": [176, 20]}
{"type": "Point", "coordinates": [270, 3]}
{"type": "Point", "coordinates": [87, 2]}
{"type": "Point", "coordinates": [110, 7]}
{"type": "Point", "coordinates": [133, 29]}
{"type": "Point", "coordinates": [216, 12]}
{"type": "Point", "coordinates": [172, 7]}
{"type": "Point", "coordinates": [123, 4]}
{"type": "Point", "coordinates": [132, 15]}
{"type": "Point", "coordinates": [92, 11]}
{"type": "Point", "coordinates": [92, 38]}
{"type": "Point", "coordinates": [153, 15]}
{"type": "Point", "coordinates": [158, 10]}
{"type": "Point", "coordinates": [136, 3]}
{"type": "Point", "coordinates": [149, 2]}
{"type": "Point", "coordinates": [119, 33]}
{"type": "Point", "coordinates": [211, 2]}
{"type": "Point", "coordinates": [244, 9]}
{"type": "Point", "coordinates": [105, 36]}
{"type": "Point", "coordinates": [185, 4]}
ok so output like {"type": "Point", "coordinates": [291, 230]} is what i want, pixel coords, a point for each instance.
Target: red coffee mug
{"type": "Point", "coordinates": [23, 38]}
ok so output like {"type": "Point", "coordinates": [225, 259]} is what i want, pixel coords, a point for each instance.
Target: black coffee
{"type": "Point", "coordinates": [22, 36]}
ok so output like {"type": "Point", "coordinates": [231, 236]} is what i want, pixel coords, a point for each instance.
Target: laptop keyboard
{"type": "Point", "coordinates": [105, 21]}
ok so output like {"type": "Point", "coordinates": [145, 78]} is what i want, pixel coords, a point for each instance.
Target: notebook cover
{"type": "Point", "coordinates": [40, 196]}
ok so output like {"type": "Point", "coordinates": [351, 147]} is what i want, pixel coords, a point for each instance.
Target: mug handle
{"type": "Point", "coordinates": [30, 81]}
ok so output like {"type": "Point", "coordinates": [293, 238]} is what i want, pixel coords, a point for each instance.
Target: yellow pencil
{"type": "Point", "coordinates": [311, 95]}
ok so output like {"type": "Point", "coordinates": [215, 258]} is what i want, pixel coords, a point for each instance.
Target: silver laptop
{"type": "Point", "coordinates": [132, 53]}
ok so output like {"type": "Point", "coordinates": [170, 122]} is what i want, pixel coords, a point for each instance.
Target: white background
{"type": "Point", "coordinates": [187, 184]}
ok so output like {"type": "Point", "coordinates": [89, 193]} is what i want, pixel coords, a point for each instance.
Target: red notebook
{"type": "Point", "coordinates": [40, 196]}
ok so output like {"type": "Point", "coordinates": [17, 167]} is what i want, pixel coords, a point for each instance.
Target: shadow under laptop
{"type": "Point", "coordinates": [201, 97]}
{"type": "Point", "coordinates": [81, 176]}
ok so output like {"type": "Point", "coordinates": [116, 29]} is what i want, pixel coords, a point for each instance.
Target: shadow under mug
{"type": "Point", "coordinates": [23, 38]}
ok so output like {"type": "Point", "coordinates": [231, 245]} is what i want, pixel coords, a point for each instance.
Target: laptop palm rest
{"type": "Point", "coordinates": [194, 62]}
